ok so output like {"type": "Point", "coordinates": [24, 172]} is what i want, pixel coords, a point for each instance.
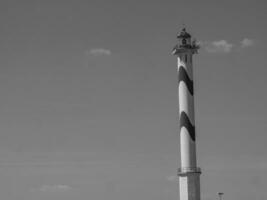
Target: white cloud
{"type": "Point", "coordinates": [220, 46]}
{"type": "Point", "coordinates": [247, 42]}
{"type": "Point", "coordinates": [99, 52]}
{"type": "Point", "coordinates": [54, 188]}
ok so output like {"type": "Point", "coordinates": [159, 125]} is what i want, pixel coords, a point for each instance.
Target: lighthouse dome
{"type": "Point", "coordinates": [185, 44]}
{"type": "Point", "coordinates": [184, 34]}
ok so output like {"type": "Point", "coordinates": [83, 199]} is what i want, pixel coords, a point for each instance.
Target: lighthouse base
{"type": "Point", "coordinates": [189, 184]}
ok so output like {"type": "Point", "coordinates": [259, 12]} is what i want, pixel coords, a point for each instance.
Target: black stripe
{"type": "Point", "coordinates": [183, 76]}
{"type": "Point", "coordinates": [184, 121]}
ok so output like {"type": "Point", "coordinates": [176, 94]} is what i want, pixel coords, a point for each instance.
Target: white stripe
{"type": "Point", "coordinates": [188, 149]}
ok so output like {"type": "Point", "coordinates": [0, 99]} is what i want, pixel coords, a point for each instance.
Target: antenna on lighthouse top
{"type": "Point", "coordinates": [183, 26]}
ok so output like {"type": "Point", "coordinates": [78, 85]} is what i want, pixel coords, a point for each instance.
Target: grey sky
{"type": "Point", "coordinates": [89, 98]}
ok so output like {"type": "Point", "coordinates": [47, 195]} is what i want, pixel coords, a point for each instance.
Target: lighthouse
{"type": "Point", "coordinates": [189, 173]}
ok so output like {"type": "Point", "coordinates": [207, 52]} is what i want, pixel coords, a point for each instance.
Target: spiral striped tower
{"type": "Point", "coordinates": [188, 173]}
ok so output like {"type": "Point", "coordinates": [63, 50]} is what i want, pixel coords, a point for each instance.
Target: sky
{"type": "Point", "coordinates": [89, 98]}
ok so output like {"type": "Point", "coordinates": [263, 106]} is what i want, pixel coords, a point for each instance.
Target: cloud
{"type": "Point", "coordinates": [223, 46]}
{"type": "Point", "coordinates": [247, 42]}
{"type": "Point", "coordinates": [220, 46]}
{"type": "Point", "coordinates": [54, 188]}
{"type": "Point", "coordinates": [99, 52]}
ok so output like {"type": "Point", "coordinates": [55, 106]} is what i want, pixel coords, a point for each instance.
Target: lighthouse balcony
{"type": "Point", "coordinates": [186, 170]}
{"type": "Point", "coordinates": [185, 48]}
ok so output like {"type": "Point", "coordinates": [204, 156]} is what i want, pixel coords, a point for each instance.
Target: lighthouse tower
{"type": "Point", "coordinates": [188, 173]}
